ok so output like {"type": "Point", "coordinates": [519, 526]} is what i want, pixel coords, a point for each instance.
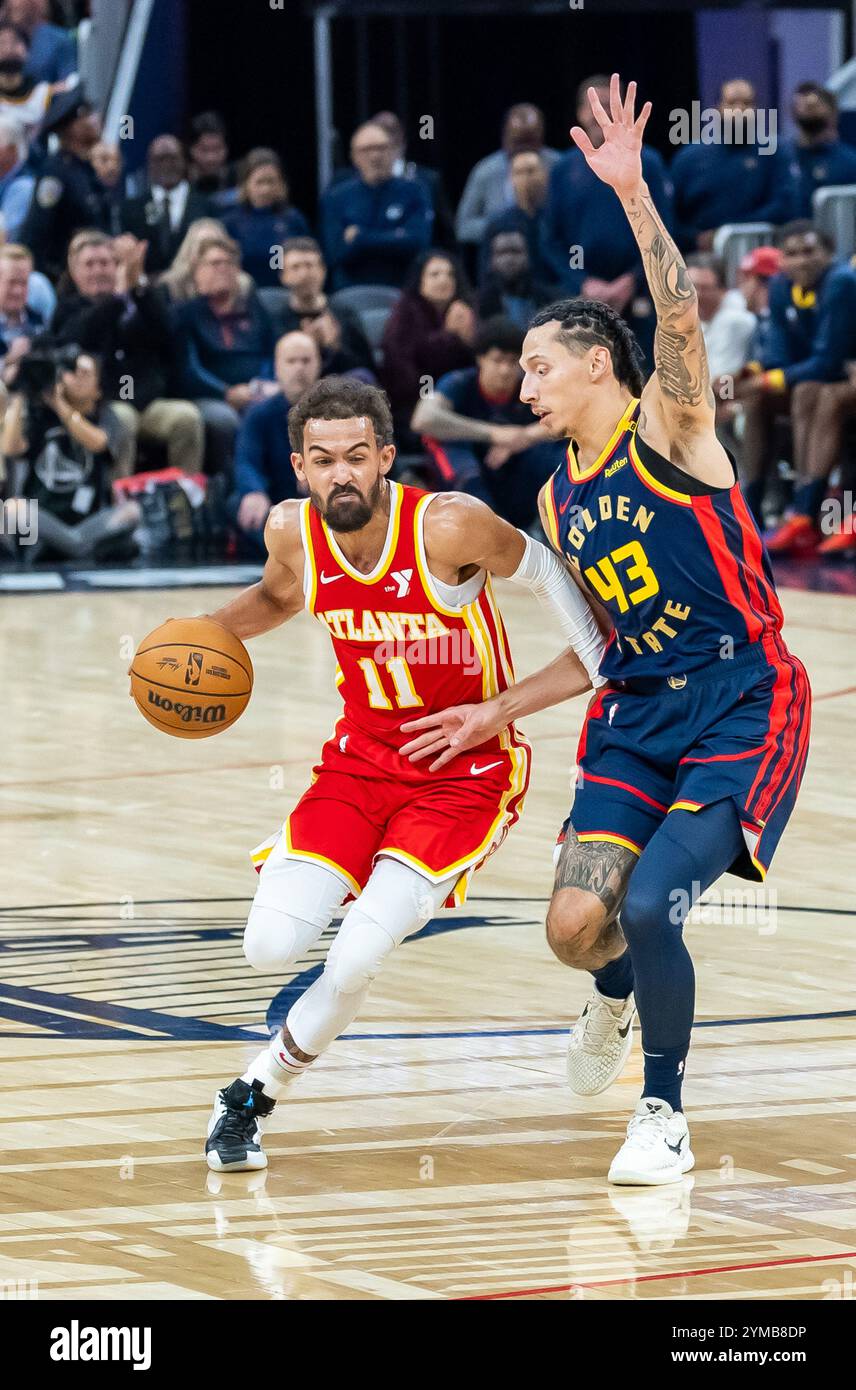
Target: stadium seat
{"type": "Point", "coordinates": [734, 239]}
{"type": "Point", "coordinates": [834, 210]}
{"type": "Point", "coordinates": [373, 303]}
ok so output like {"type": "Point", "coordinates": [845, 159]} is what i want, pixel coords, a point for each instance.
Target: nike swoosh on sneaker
{"type": "Point", "coordinates": [676, 1148]}
{"type": "Point", "coordinates": [330, 578]}
{"type": "Point", "coordinates": [477, 771]}
{"type": "Point", "coordinates": [622, 1032]}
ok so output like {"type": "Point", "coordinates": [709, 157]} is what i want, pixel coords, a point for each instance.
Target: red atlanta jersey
{"type": "Point", "coordinates": [402, 651]}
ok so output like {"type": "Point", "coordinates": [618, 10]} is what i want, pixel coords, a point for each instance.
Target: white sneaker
{"type": "Point", "coordinates": [599, 1043]}
{"type": "Point", "coordinates": [657, 1148]}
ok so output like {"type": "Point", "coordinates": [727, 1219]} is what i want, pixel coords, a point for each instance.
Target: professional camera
{"type": "Point", "coordinates": [43, 366]}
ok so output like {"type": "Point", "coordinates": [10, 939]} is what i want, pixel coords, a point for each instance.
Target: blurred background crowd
{"type": "Point", "coordinates": [157, 323]}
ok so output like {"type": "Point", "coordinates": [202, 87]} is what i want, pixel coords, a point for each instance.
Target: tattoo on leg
{"type": "Point", "coordinates": [597, 867]}
{"type": "Point", "coordinates": [291, 1046]}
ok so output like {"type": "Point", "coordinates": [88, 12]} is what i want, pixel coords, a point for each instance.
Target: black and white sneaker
{"type": "Point", "coordinates": [234, 1142]}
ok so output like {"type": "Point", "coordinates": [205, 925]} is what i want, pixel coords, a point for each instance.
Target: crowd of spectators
{"type": "Point", "coordinates": [164, 321]}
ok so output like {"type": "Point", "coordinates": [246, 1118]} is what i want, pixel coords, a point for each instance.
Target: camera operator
{"type": "Point", "coordinates": [61, 442]}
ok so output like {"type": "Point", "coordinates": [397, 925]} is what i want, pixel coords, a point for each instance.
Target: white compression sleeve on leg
{"type": "Point", "coordinates": [542, 572]}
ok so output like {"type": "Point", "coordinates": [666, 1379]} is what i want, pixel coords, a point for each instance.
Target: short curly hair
{"type": "Point", "coordinates": [341, 398]}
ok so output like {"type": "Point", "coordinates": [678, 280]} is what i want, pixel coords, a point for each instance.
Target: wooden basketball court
{"type": "Point", "coordinates": [435, 1151]}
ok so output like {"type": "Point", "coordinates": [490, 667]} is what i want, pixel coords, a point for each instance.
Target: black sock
{"type": "Point", "coordinates": [615, 980]}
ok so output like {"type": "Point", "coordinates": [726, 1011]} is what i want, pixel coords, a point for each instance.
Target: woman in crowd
{"type": "Point", "coordinates": [430, 332]}
{"type": "Point", "coordinates": [263, 218]}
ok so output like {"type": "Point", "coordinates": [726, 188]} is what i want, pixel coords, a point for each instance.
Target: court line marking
{"type": "Point", "coordinates": [648, 1278]}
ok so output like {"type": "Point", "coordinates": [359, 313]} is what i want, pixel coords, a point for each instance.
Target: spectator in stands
{"type": "Point", "coordinates": [227, 342]}
{"type": "Point", "coordinates": [19, 322]}
{"type": "Point", "coordinates": [263, 471]}
{"type": "Point", "coordinates": [336, 330]}
{"type": "Point", "coordinates": [588, 242]}
{"type": "Point", "coordinates": [374, 224]}
{"type": "Point", "coordinates": [812, 337]}
{"type": "Point", "coordinates": [16, 184]}
{"type": "Point", "coordinates": [106, 160]}
{"type": "Point", "coordinates": [488, 189]}
{"type": "Point", "coordinates": [529, 184]}
{"type": "Point", "coordinates": [755, 273]}
{"type": "Point", "coordinates": [727, 327]}
{"type": "Point", "coordinates": [178, 282]}
{"type": "Point", "coordinates": [68, 196]}
{"type": "Point", "coordinates": [41, 296]}
{"type": "Point", "coordinates": [480, 434]}
{"type": "Point", "coordinates": [430, 332]}
{"type": "Point", "coordinates": [211, 171]}
{"type": "Point", "coordinates": [21, 97]}
{"type": "Point", "coordinates": [112, 310]}
{"type": "Point", "coordinates": [52, 50]}
{"type": "Point", "coordinates": [731, 181]}
{"type": "Point", "coordinates": [162, 215]}
{"type": "Point", "coordinates": [510, 289]}
{"type": "Point", "coordinates": [404, 168]}
{"type": "Point", "coordinates": [63, 448]}
{"type": "Point", "coordinates": [263, 218]}
{"type": "Point", "coordinates": [818, 157]}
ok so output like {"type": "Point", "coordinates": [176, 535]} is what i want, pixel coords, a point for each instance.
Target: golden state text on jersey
{"type": "Point", "coordinates": [680, 566]}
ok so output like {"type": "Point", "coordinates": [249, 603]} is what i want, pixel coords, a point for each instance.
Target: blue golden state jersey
{"type": "Point", "coordinates": [680, 566]}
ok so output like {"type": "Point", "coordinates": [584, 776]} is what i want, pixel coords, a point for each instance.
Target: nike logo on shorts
{"type": "Point", "coordinates": [476, 771]}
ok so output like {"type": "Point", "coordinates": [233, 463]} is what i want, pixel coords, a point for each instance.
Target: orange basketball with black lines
{"type": "Point", "coordinates": [191, 678]}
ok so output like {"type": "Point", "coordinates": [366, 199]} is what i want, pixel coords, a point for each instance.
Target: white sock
{"type": "Point", "coordinates": [276, 1068]}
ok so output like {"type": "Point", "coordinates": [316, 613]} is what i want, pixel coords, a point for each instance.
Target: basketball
{"type": "Point", "coordinates": [191, 677]}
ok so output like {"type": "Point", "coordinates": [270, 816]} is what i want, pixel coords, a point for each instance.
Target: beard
{"type": "Point", "coordinates": [347, 509]}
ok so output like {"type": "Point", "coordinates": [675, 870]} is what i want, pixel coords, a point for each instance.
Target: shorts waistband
{"type": "Point", "coordinates": [758, 654]}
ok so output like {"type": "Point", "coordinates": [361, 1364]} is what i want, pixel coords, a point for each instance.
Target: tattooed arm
{"type": "Point", "coordinates": [678, 407]}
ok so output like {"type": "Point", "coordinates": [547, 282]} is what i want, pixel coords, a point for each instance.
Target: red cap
{"type": "Point", "coordinates": [763, 261]}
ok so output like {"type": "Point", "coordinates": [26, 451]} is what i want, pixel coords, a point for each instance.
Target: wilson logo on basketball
{"type": "Point", "coordinates": [196, 714]}
{"type": "Point", "coordinates": [194, 668]}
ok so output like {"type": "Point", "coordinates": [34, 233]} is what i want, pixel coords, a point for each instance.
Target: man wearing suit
{"type": "Point", "coordinates": [162, 215]}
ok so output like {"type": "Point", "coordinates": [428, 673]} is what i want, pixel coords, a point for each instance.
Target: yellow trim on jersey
{"type": "Point", "coordinates": [310, 590]}
{"type": "Point", "coordinates": [552, 515]}
{"type": "Point", "coordinates": [506, 662]}
{"type": "Point", "coordinates": [389, 545]}
{"type": "Point", "coordinates": [611, 839]}
{"type": "Point", "coordinates": [425, 574]}
{"type": "Point", "coordinates": [687, 806]}
{"type": "Point", "coordinates": [340, 675]}
{"type": "Point", "coordinates": [759, 866]}
{"type": "Point", "coordinates": [652, 482]}
{"type": "Point", "coordinates": [519, 757]}
{"type": "Point", "coordinates": [580, 475]}
{"type": "Point", "coordinates": [292, 853]}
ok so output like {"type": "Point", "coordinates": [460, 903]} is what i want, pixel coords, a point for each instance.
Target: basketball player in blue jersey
{"type": "Point", "coordinates": [691, 755]}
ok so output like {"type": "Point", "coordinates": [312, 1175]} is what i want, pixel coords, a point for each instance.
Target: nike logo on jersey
{"type": "Point", "coordinates": [330, 578]}
{"type": "Point", "coordinates": [477, 771]}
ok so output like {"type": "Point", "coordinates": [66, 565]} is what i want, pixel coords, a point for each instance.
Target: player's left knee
{"type": "Point", "coordinates": [644, 913]}
{"type": "Point", "coordinates": [358, 953]}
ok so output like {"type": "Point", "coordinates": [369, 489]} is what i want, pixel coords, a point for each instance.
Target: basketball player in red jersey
{"type": "Point", "coordinates": [691, 756]}
{"type": "Point", "coordinates": [400, 578]}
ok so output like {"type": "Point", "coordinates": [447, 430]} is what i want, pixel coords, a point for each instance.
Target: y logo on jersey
{"type": "Point", "coordinates": [402, 579]}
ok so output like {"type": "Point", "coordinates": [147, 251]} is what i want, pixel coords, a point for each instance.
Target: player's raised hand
{"type": "Point", "coordinates": [450, 732]}
{"type": "Point", "coordinates": [618, 160]}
